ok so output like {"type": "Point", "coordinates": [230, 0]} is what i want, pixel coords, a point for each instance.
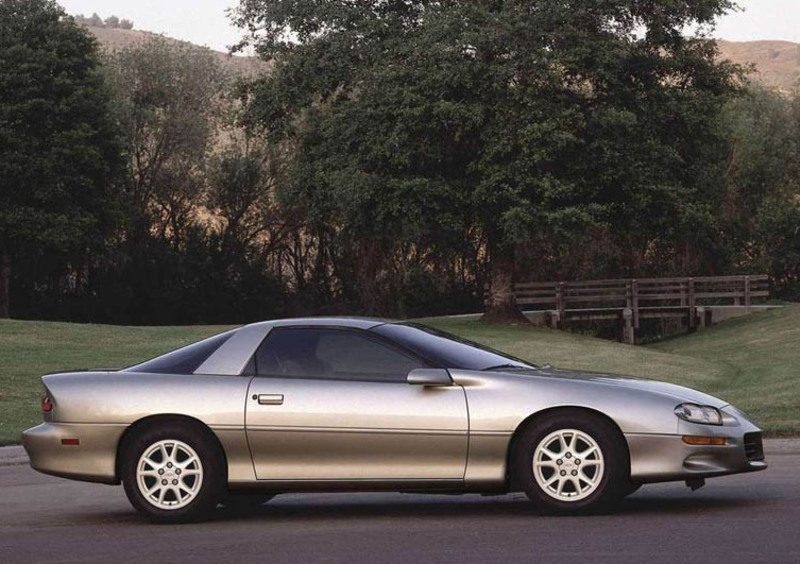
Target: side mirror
{"type": "Point", "coordinates": [432, 377]}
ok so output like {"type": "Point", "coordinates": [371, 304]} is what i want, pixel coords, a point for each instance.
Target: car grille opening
{"type": "Point", "coordinates": [753, 446]}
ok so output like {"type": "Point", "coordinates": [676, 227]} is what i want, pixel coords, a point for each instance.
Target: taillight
{"type": "Point", "coordinates": [47, 405]}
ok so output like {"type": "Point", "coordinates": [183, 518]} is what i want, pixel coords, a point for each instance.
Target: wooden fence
{"type": "Point", "coordinates": [631, 300]}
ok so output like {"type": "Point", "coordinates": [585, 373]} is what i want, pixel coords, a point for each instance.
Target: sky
{"type": "Point", "coordinates": [204, 21]}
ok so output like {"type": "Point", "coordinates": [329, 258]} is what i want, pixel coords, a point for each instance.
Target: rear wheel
{"type": "Point", "coordinates": [172, 473]}
{"type": "Point", "coordinates": [571, 461]}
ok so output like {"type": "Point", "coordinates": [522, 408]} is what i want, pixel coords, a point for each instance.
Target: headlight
{"type": "Point", "coordinates": [703, 414]}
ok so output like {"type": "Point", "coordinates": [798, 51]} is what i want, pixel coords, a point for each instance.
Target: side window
{"type": "Point", "coordinates": [184, 360]}
{"type": "Point", "coordinates": [332, 354]}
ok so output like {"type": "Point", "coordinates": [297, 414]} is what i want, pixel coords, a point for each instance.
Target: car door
{"type": "Point", "coordinates": [334, 404]}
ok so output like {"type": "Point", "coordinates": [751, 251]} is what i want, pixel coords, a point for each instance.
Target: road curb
{"type": "Point", "coordinates": [16, 455]}
{"type": "Point", "coordinates": [781, 446]}
{"type": "Point", "coordinates": [13, 456]}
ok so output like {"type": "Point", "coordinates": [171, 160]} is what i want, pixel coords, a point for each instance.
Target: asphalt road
{"type": "Point", "coordinates": [747, 518]}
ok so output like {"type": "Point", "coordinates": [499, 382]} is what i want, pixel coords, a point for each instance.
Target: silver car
{"type": "Point", "coordinates": [370, 405]}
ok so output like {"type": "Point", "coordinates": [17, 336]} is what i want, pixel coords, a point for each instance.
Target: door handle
{"type": "Point", "coordinates": [270, 399]}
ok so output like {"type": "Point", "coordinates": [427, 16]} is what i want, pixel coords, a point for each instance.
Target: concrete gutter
{"type": "Point", "coordinates": [16, 456]}
{"type": "Point", "coordinates": [781, 446]}
{"type": "Point", "coordinates": [13, 456]}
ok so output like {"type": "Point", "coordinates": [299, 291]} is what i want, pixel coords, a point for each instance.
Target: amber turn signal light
{"type": "Point", "coordinates": [715, 441]}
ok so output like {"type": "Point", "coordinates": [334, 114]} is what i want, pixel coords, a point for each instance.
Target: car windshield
{"type": "Point", "coordinates": [449, 351]}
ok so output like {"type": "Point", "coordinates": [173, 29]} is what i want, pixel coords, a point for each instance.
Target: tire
{"type": "Point", "coordinates": [244, 501]}
{"type": "Point", "coordinates": [183, 456]}
{"type": "Point", "coordinates": [549, 480]}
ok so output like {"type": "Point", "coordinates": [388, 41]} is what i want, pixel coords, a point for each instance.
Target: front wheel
{"type": "Point", "coordinates": [172, 473]}
{"type": "Point", "coordinates": [572, 461]}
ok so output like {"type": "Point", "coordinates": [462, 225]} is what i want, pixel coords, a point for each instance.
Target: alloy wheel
{"type": "Point", "coordinates": [169, 474]}
{"type": "Point", "coordinates": [568, 465]}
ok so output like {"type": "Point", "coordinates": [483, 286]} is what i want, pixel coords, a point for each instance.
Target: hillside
{"type": "Point", "coordinates": [777, 62]}
{"type": "Point", "coordinates": [115, 39]}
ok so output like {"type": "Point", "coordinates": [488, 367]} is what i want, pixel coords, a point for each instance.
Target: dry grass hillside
{"type": "Point", "coordinates": [777, 62]}
{"type": "Point", "coordinates": [114, 39]}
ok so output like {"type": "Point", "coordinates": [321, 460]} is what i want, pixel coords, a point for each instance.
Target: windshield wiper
{"type": "Point", "coordinates": [508, 366]}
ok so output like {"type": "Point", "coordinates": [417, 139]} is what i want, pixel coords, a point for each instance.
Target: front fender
{"type": "Point", "coordinates": [500, 402]}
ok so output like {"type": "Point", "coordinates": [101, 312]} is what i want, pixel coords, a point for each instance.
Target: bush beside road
{"type": "Point", "coordinates": [751, 362]}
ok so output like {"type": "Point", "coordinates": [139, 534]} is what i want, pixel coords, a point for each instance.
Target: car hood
{"type": "Point", "coordinates": [629, 382]}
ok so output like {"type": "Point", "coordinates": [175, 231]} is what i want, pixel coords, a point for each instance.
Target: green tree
{"type": "Point", "coordinates": [532, 120]}
{"type": "Point", "coordinates": [241, 194]}
{"type": "Point", "coordinates": [96, 21]}
{"type": "Point", "coordinates": [167, 95]}
{"type": "Point", "coordinates": [761, 207]}
{"type": "Point", "coordinates": [59, 151]}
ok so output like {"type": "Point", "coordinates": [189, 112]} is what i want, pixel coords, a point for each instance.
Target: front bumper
{"type": "Point", "coordinates": [665, 458]}
{"type": "Point", "coordinates": [93, 460]}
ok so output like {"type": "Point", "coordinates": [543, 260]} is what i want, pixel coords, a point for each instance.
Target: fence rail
{"type": "Point", "coordinates": [634, 299]}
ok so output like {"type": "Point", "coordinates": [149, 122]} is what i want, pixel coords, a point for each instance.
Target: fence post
{"type": "Point", "coordinates": [628, 333]}
{"type": "Point", "coordinates": [635, 292]}
{"type": "Point", "coordinates": [747, 291]}
{"type": "Point", "coordinates": [629, 295]}
{"type": "Point", "coordinates": [684, 290]}
{"type": "Point", "coordinates": [691, 304]}
{"type": "Point", "coordinates": [560, 306]}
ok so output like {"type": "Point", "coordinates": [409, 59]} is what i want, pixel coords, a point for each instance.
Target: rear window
{"type": "Point", "coordinates": [184, 360]}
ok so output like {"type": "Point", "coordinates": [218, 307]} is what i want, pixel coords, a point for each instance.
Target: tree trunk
{"type": "Point", "coordinates": [371, 284]}
{"type": "Point", "coordinates": [5, 286]}
{"type": "Point", "coordinates": [501, 303]}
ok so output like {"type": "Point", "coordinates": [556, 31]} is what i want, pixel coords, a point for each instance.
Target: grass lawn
{"type": "Point", "coordinates": [29, 349]}
{"type": "Point", "coordinates": [758, 360]}
{"type": "Point", "coordinates": [752, 362]}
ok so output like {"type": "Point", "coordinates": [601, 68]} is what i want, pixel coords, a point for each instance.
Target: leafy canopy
{"type": "Point", "coordinates": [167, 98]}
{"type": "Point", "coordinates": [59, 151]}
{"type": "Point", "coordinates": [536, 118]}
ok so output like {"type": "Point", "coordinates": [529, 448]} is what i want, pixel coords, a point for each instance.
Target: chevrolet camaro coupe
{"type": "Point", "coordinates": [370, 405]}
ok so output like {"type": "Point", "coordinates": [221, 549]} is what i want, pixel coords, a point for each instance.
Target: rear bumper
{"type": "Point", "coordinates": [93, 460]}
{"type": "Point", "coordinates": [665, 458]}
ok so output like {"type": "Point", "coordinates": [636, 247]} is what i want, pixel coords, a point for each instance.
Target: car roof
{"type": "Point", "coordinates": [350, 322]}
